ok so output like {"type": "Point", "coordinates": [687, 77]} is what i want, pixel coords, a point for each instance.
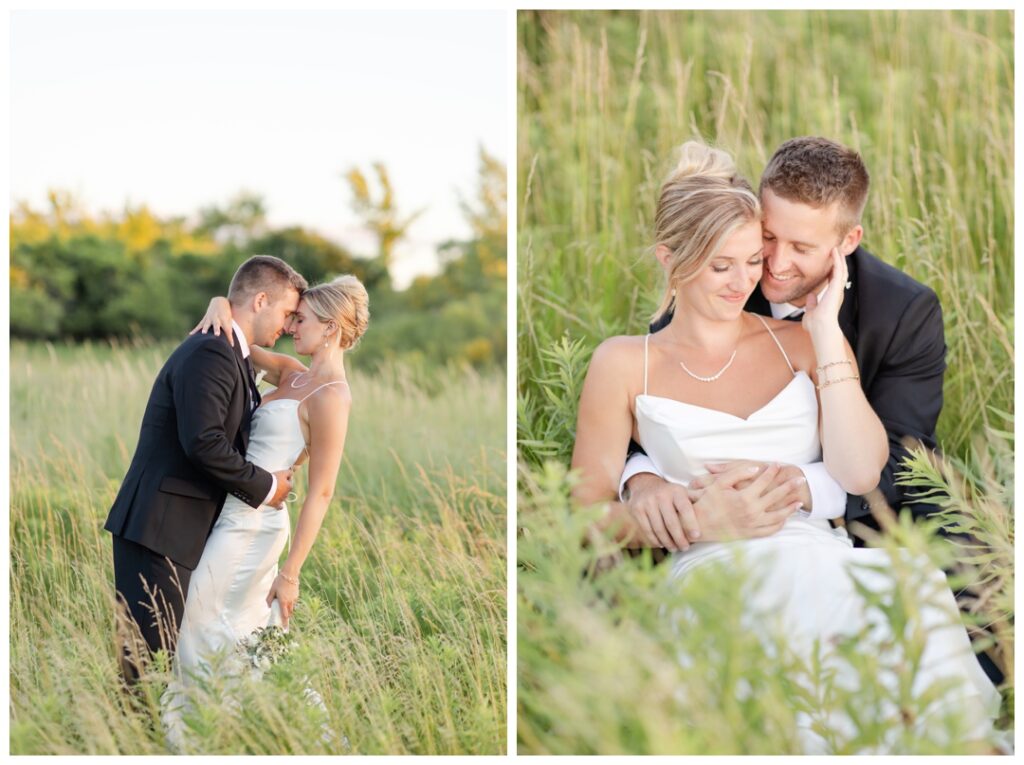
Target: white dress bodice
{"type": "Point", "coordinates": [681, 438]}
{"type": "Point", "coordinates": [275, 441]}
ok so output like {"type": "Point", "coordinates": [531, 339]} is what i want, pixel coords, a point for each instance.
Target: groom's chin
{"type": "Point", "coordinates": [773, 294]}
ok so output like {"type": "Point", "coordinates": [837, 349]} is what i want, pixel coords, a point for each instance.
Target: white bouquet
{"type": "Point", "coordinates": [266, 646]}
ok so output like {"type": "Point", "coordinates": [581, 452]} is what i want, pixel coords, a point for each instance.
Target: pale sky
{"type": "Point", "coordinates": [180, 110]}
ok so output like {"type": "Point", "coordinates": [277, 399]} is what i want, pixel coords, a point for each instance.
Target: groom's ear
{"type": "Point", "coordinates": [851, 240]}
{"type": "Point", "coordinates": [260, 301]}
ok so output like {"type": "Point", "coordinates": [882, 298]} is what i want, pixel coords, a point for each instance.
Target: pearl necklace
{"type": "Point", "coordinates": [718, 374]}
{"type": "Point", "coordinates": [713, 377]}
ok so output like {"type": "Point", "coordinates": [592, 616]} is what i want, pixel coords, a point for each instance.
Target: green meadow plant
{"type": "Point", "coordinates": [626, 661]}
{"type": "Point", "coordinates": [401, 623]}
{"type": "Point", "coordinates": [604, 98]}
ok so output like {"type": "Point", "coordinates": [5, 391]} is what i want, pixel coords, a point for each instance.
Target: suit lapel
{"type": "Point", "coordinates": [243, 431]}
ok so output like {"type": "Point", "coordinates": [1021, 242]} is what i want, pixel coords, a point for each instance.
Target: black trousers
{"type": "Point", "coordinates": [151, 592]}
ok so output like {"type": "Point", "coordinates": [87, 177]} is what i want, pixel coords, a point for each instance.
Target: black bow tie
{"type": "Point", "coordinates": [794, 316]}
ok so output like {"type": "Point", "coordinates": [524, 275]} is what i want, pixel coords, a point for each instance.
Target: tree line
{"type": "Point", "coordinates": [136, 275]}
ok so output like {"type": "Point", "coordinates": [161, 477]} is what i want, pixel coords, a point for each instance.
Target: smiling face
{"type": "Point", "coordinates": [798, 241]}
{"type": "Point", "coordinates": [722, 287]}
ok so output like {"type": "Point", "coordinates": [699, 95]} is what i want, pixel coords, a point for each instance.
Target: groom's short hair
{"type": "Point", "coordinates": [264, 273]}
{"type": "Point", "coordinates": [817, 172]}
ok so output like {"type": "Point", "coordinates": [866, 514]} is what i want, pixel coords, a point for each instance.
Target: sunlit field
{"type": "Point", "coordinates": [604, 99]}
{"type": "Point", "coordinates": [401, 622]}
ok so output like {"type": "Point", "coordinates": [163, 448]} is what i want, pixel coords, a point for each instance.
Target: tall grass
{"type": "Point", "coordinates": [927, 97]}
{"type": "Point", "coordinates": [604, 99]}
{"type": "Point", "coordinates": [402, 614]}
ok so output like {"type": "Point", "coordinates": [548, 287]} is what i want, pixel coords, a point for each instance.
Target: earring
{"type": "Point", "coordinates": [673, 292]}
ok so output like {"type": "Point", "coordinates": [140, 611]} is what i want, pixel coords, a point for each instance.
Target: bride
{"type": "Point", "coordinates": [719, 384]}
{"type": "Point", "coordinates": [237, 580]}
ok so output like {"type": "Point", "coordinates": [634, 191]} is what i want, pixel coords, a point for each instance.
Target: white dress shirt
{"type": "Point", "coordinates": [786, 310]}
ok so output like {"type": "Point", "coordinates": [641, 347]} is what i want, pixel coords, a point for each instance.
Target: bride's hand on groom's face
{"type": "Point", "coordinates": [823, 316]}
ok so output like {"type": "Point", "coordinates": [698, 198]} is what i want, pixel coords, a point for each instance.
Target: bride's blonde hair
{"type": "Point", "coordinates": [702, 202]}
{"type": "Point", "coordinates": [343, 301]}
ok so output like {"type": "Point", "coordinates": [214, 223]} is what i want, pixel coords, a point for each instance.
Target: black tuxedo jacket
{"type": "Point", "coordinates": [894, 325]}
{"type": "Point", "coordinates": [195, 431]}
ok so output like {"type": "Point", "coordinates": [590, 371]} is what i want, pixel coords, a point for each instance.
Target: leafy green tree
{"type": "Point", "coordinates": [315, 257]}
{"type": "Point", "coordinates": [243, 219]}
{"type": "Point", "coordinates": [380, 212]}
{"type": "Point", "coordinates": [136, 274]}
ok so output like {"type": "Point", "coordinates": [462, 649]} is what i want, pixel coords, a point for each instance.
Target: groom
{"type": "Point", "coordinates": [813, 193]}
{"type": "Point", "coordinates": [190, 454]}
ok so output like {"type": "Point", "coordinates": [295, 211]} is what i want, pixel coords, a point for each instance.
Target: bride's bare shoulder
{"type": "Point", "coordinates": [612, 358]}
{"type": "Point", "coordinates": [607, 378]}
{"type": "Point", "coordinates": [620, 349]}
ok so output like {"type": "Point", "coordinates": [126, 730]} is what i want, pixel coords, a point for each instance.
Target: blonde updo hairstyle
{"type": "Point", "coordinates": [343, 301]}
{"type": "Point", "coordinates": [702, 202]}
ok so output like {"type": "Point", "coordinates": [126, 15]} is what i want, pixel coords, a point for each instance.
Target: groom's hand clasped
{"type": "Point", "coordinates": [663, 512]}
{"type": "Point", "coordinates": [735, 500]}
{"type": "Point", "coordinates": [748, 498]}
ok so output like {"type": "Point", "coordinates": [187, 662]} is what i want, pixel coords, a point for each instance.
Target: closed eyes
{"type": "Point", "coordinates": [723, 268]}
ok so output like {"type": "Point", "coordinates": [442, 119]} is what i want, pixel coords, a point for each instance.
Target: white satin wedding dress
{"type": "Point", "coordinates": [803, 579]}
{"type": "Point", "coordinates": [227, 594]}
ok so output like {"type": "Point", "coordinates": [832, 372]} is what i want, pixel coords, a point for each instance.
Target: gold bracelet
{"type": "Point", "coordinates": [839, 380]}
{"type": "Point", "coordinates": [823, 367]}
{"type": "Point", "coordinates": [288, 579]}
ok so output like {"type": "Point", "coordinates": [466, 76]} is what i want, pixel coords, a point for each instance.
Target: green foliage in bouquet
{"type": "Point", "coordinates": [266, 646]}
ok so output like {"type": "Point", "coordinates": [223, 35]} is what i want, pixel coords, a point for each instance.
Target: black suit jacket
{"type": "Point", "coordinates": [194, 434]}
{"type": "Point", "coordinates": [894, 325]}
